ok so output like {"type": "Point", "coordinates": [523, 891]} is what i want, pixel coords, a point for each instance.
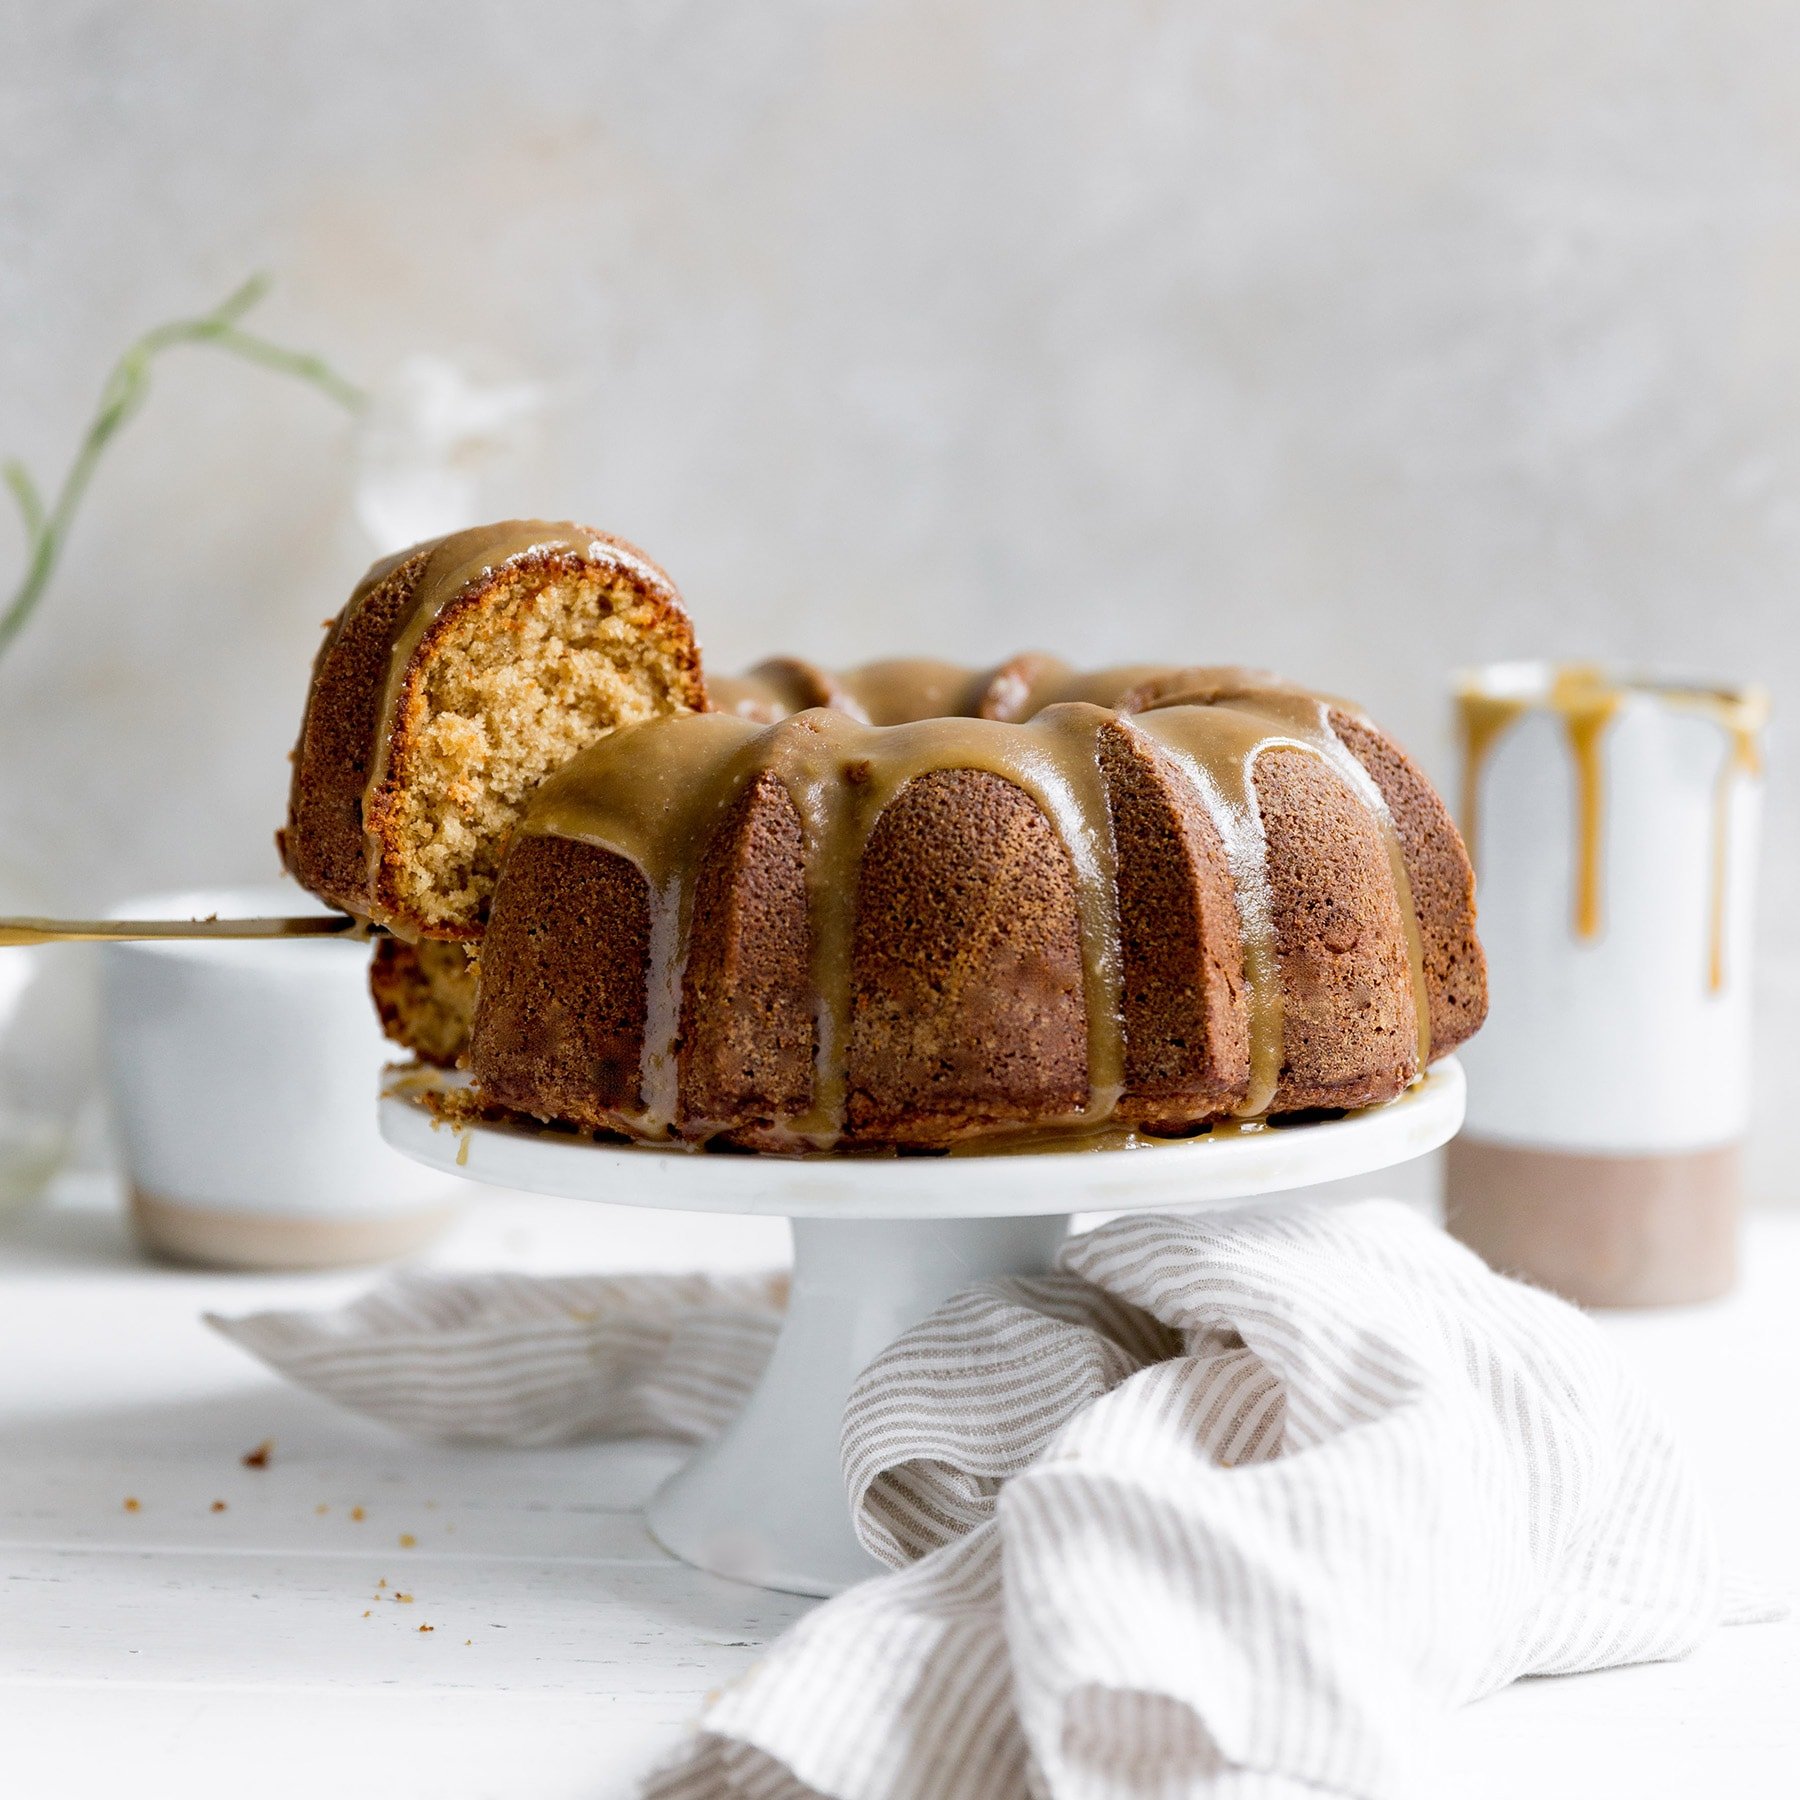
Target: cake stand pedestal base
{"type": "Point", "coordinates": [765, 1502]}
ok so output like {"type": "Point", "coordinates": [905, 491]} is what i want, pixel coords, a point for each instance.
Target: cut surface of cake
{"type": "Point", "coordinates": [424, 994]}
{"type": "Point", "coordinates": [459, 674]}
{"type": "Point", "coordinates": [834, 914]}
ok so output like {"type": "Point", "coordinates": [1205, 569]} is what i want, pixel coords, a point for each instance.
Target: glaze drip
{"type": "Point", "coordinates": [658, 793]}
{"type": "Point", "coordinates": [1586, 700]}
{"type": "Point", "coordinates": [1220, 756]}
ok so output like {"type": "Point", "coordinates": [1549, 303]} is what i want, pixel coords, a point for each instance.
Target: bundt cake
{"type": "Point", "coordinates": [460, 673]}
{"type": "Point", "coordinates": [1147, 896]}
{"type": "Point", "coordinates": [892, 908]}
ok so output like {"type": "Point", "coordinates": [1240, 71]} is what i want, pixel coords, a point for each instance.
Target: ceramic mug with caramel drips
{"type": "Point", "coordinates": [1613, 824]}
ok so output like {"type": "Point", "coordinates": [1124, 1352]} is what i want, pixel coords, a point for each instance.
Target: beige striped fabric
{"type": "Point", "coordinates": [1236, 1506]}
{"type": "Point", "coordinates": [532, 1359]}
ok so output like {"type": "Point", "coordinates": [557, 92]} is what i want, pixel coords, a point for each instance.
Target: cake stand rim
{"type": "Point", "coordinates": [1183, 1173]}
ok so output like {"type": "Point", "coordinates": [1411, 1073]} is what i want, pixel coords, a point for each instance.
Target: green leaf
{"type": "Point", "coordinates": [122, 396]}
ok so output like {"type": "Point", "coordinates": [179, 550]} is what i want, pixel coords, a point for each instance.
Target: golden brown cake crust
{"type": "Point", "coordinates": [967, 1007]}
{"type": "Point", "coordinates": [1348, 1021]}
{"type": "Point", "coordinates": [1187, 1034]}
{"type": "Point", "coordinates": [748, 1025]}
{"type": "Point", "coordinates": [322, 845]}
{"type": "Point", "coordinates": [1442, 880]}
{"type": "Point", "coordinates": [559, 1033]}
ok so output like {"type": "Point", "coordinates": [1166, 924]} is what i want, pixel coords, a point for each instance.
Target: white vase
{"type": "Point", "coordinates": [1613, 823]}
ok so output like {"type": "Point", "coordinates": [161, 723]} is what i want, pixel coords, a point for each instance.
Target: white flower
{"type": "Point", "coordinates": [424, 442]}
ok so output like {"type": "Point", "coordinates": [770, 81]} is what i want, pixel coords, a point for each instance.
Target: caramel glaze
{"type": "Point", "coordinates": [1743, 717]}
{"type": "Point", "coordinates": [1587, 700]}
{"type": "Point", "coordinates": [655, 795]}
{"type": "Point", "coordinates": [907, 690]}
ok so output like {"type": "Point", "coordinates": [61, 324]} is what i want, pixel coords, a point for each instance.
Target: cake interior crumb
{"type": "Point", "coordinates": [513, 690]}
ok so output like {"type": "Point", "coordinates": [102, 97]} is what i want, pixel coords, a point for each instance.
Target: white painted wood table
{"type": "Point", "coordinates": [254, 1650]}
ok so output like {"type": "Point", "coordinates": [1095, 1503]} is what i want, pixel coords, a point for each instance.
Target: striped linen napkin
{"type": "Point", "coordinates": [1235, 1506]}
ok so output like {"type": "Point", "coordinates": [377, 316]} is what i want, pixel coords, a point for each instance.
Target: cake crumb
{"type": "Point", "coordinates": [468, 1640]}
{"type": "Point", "coordinates": [428, 1628]}
{"type": "Point", "coordinates": [382, 1582]}
{"type": "Point", "coordinates": [357, 1513]}
{"type": "Point", "coordinates": [133, 1503]}
{"type": "Point", "coordinates": [259, 1457]}
{"type": "Point", "coordinates": [366, 1612]}
{"type": "Point", "coordinates": [407, 1540]}
{"type": "Point", "coordinates": [403, 1599]}
{"type": "Point", "coordinates": [321, 1508]}
{"type": "Point", "coordinates": [218, 1506]}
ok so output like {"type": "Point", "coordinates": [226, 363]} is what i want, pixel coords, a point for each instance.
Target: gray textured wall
{"type": "Point", "coordinates": [1360, 340]}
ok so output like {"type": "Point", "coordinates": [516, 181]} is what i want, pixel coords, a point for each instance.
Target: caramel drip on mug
{"type": "Point", "coordinates": [1742, 717]}
{"type": "Point", "coordinates": [1581, 696]}
{"type": "Point", "coordinates": [1586, 715]}
{"type": "Point", "coordinates": [1484, 719]}
{"type": "Point", "coordinates": [1587, 700]}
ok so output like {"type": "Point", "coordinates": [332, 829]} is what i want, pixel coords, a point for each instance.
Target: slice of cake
{"type": "Point", "coordinates": [460, 673]}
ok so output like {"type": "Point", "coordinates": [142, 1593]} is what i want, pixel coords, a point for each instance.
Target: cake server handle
{"type": "Point", "coordinates": [132, 931]}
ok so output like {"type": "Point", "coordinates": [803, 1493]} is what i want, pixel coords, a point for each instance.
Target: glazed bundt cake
{"type": "Point", "coordinates": [460, 673]}
{"type": "Point", "coordinates": [1154, 897]}
{"type": "Point", "coordinates": [894, 908]}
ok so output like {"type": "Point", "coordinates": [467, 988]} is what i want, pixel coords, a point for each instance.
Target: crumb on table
{"type": "Point", "coordinates": [133, 1503]}
{"type": "Point", "coordinates": [259, 1457]}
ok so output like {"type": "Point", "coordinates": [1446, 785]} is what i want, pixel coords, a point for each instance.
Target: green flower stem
{"type": "Point", "coordinates": [126, 390]}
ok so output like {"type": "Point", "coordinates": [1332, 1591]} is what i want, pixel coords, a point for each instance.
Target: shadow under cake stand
{"type": "Point", "coordinates": [878, 1244]}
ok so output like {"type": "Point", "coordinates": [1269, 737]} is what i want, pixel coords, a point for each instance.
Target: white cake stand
{"type": "Point", "coordinates": [877, 1245]}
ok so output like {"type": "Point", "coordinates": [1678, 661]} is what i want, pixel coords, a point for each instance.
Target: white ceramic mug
{"type": "Point", "coordinates": [1613, 822]}
{"type": "Point", "coordinates": [244, 1079]}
